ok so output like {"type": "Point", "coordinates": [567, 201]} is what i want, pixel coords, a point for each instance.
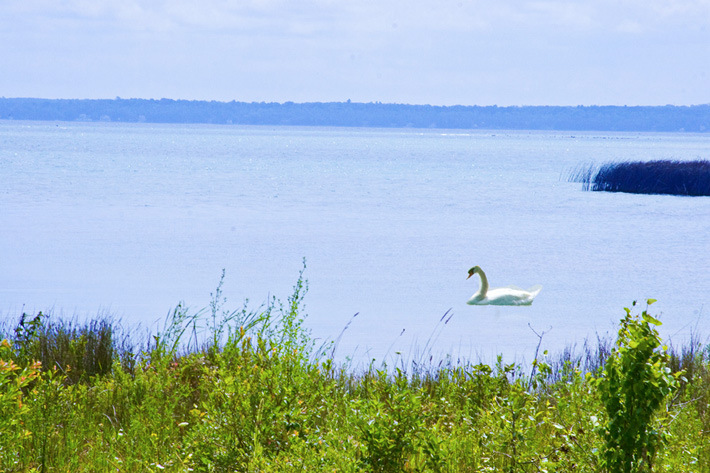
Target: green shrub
{"type": "Point", "coordinates": [14, 410]}
{"type": "Point", "coordinates": [636, 381]}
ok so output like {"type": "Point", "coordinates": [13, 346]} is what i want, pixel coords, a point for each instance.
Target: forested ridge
{"type": "Point", "coordinates": [695, 118]}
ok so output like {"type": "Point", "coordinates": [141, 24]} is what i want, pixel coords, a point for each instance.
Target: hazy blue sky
{"type": "Point", "coordinates": [443, 52]}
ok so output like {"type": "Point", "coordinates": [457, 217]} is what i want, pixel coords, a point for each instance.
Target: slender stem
{"type": "Point", "coordinates": [537, 351]}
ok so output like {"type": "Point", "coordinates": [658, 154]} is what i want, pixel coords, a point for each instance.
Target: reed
{"type": "Point", "coordinates": [688, 178]}
{"type": "Point", "coordinates": [79, 350]}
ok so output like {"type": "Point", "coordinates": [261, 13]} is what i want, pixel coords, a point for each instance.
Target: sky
{"type": "Point", "coordinates": [438, 52]}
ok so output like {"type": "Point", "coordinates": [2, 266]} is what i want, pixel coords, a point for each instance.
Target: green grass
{"type": "Point", "coordinates": [249, 391]}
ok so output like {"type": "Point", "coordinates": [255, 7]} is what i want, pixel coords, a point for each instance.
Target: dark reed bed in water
{"type": "Point", "coordinates": [690, 178]}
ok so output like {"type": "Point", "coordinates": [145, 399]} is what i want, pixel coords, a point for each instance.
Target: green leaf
{"type": "Point", "coordinates": [651, 320]}
{"type": "Point", "coordinates": [650, 301]}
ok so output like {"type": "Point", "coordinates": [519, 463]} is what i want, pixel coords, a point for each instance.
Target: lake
{"type": "Point", "coordinates": [130, 219]}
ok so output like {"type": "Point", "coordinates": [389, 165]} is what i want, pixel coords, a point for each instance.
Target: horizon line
{"type": "Point", "coordinates": [348, 101]}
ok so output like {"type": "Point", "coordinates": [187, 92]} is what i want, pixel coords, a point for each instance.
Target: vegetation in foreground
{"type": "Point", "coordinates": [690, 178]}
{"type": "Point", "coordinates": [256, 394]}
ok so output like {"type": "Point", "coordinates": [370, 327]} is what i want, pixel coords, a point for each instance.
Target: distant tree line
{"type": "Point", "coordinates": [668, 118]}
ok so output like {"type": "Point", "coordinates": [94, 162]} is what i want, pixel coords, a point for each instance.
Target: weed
{"type": "Point", "coordinates": [249, 391]}
{"type": "Point", "coordinates": [635, 382]}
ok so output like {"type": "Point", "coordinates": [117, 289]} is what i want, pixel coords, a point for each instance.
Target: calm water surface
{"type": "Point", "coordinates": [134, 218]}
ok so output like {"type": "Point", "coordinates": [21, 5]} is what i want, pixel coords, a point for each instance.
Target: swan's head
{"type": "Point", "coordinates": [474, 270]}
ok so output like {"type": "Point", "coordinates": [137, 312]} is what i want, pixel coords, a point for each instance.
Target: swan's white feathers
{"type": "Point", "coordinates": [509, 295]}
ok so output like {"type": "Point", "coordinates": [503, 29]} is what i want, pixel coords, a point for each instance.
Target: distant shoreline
{"type": "Point", "coordinates": [669, 118]}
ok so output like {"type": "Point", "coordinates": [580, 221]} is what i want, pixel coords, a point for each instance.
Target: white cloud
{"type": "Point", "coordinates": [442, 51]}
{"type": "Point", "coordinates": [314, 16]}
{"type": "Point", "coordinates": [629, 26]}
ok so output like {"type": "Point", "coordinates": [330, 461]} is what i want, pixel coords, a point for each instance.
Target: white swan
{"type": "Point", "coordinates": [510, 295]}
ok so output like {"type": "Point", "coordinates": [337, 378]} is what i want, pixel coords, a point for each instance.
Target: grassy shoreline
{"type": "Point", "coordinates": [257, 394]}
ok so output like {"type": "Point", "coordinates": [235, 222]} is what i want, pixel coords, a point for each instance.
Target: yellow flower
{"type": "Point", "coordinates": [5, 343]}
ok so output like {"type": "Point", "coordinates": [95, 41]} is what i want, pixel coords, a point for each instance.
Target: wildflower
{"type": "Point", "coordinates": [8, 366]}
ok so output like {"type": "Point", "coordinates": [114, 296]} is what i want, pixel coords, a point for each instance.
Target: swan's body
{"type": "Point", "coordinates": [510, 295]}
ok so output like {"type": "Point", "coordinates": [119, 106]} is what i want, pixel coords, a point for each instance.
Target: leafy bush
{"type": "Point", "coordinates": [635, 383]}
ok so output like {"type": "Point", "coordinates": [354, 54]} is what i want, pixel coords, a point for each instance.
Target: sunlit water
{"type": "Point", "coordinates": [131, 219]}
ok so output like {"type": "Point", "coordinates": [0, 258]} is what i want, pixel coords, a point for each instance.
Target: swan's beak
{"type": "Point", "coordinates": [470, 274]}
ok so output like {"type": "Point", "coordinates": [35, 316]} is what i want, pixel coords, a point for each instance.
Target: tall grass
{"type": "Point", "coordinates": [255, 393]}
{"type": "Point", "coordinates": [78, 350]}
{"type": "Point", "coordinates": [690, 178]}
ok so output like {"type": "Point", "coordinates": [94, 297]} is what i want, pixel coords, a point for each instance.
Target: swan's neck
{"type": "Point", "coordinates": [484, 284]}
{"type": "Point", "coordinates": [483, 290]}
